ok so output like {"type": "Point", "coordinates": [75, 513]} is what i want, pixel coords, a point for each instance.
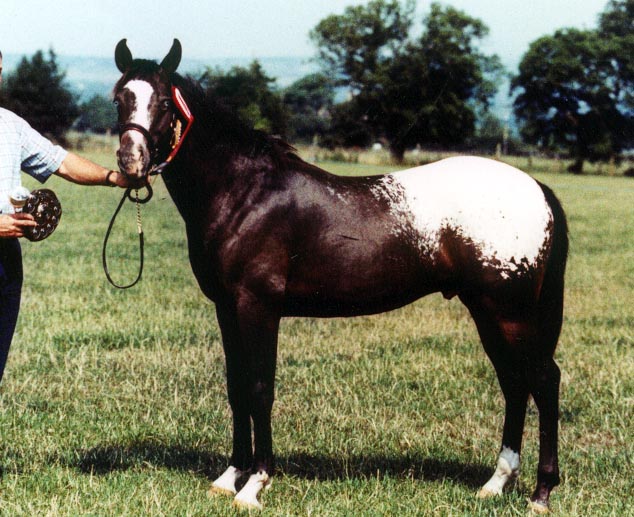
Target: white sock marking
{"type": "Point", "coordinates": [508, 468]}
{"type": "Point", "coordinates": [227, 482]}
{"type": "Point", "coordinates": [248, 496]}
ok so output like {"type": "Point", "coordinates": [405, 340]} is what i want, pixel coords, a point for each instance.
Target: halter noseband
{"type": "Point", "coordinates": [177, 138]}
{"type": "Point", "coordinates": [131, 126]}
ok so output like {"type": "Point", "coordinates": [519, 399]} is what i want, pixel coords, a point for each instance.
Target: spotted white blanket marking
{"type": "Point", "coordinates": [498, 208]}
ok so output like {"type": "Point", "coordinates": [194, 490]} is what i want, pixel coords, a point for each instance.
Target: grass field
{"type": "Point", "coordinates": [113, 403]}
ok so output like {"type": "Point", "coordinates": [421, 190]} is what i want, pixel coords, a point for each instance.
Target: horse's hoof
{"type": "Point", "coordinates": [486, 493]}
{"type": "Point", "coordinates": [247, 505]}
{"type": "Point", "coordinates": [219, 491]}
{"type": "Point", "coordinates": [538, 508]}
{"type": "Point", "coordinates": [226, 484]}
{"type": "Point", "coordinates": [247, 498]}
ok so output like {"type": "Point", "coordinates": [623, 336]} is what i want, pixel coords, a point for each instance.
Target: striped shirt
{"type": "Point", "coordinates": [23, 149]}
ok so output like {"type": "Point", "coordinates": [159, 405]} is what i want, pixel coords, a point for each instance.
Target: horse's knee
{"type": "Point", "coordinates": [546, 378]}
{"type": "Point", "coordinates": [261, 395]}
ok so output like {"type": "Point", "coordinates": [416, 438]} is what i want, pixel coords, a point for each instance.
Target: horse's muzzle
{"type": "Point", "coordinates": [133, 155]}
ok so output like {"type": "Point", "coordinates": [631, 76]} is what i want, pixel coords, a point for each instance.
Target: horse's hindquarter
{"type": "Point", "coordinates": [377, 243]}
{"type": "Point", "coordinates": [487, 221]}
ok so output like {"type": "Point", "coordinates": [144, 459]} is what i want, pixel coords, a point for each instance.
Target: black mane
{"type": "Point", "coordinates": [228, 129]}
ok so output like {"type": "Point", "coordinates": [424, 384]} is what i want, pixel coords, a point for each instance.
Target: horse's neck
{"type": "Point", "coordinates": [195, 181]}
{"type": "Point", "coordinates": [184, 183]}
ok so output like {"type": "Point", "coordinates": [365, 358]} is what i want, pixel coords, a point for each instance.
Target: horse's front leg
{"type": "Point", "coordinates": [253, 361]}
{"type": "Point", "coordinates": [237, 391]}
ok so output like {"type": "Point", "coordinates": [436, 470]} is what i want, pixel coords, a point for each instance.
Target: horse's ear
{"type": "Point", "coordinates": [172, 60]}
{"type": "Point", "coordinates": [122, 56]}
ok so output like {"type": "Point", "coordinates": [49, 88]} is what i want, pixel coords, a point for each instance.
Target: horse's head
{"type": "Point", "coordinates": [144, 100]}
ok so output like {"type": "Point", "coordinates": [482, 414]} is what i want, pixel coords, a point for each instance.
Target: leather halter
{"type": "Point", "coordinates": [177, 136]}
{"type": "Point", "coordinates": [131, 126]}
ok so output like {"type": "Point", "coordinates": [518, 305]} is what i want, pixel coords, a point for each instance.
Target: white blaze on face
{"type": "Point", "coordinates": [498, 208]}
{"type": "Point", "coordinates": [140, 115]}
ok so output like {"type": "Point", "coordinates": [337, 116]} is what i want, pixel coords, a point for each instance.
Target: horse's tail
{"type": "Point", "coordinates": [551, 297]}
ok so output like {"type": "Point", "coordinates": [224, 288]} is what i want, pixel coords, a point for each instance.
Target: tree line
{"type": "Point", "coordinates": [386, 77]}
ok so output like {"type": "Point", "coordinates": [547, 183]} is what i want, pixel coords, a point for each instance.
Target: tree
{"type": "Point", "coordinates": [250, 92]}
{"type": "Point", "coordinates": [409, 90]}
{"type": "Point", "coordinates": [348, 128]}
{"type": "Point", "coordinates": [490, 133]}
{"type": "Point", "coordinates": [98, 115]}
{"type": "Point", "coordinates": [37, 91]}
{"type": "Point", "coordinates": [616, 30]}
{"type": "Point", "coordinates": [355, 46]}
{"type": "Point", "coordinates": [309, 101]}
{"type": "Point", "coordinates": [576, 88]}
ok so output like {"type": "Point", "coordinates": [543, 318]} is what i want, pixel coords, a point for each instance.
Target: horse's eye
{"type": "Point", "coordinates": [116, 103]}
{"type": "Point", "coordinates": [166, 104]}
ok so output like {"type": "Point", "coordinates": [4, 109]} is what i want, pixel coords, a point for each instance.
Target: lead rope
{"type": "Point", "coordinates": [177, 141]}
{"type": "Point", "coordinates": [138, 202]}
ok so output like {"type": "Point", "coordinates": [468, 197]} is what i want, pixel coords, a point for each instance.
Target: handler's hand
{"type": "Point", "coordinates": [117, 179]}
{"type": "Point", "coordinates": [12, 225]}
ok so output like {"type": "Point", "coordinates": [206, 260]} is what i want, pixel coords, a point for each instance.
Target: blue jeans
{"type": "Point", "coordinates": [10, 293]}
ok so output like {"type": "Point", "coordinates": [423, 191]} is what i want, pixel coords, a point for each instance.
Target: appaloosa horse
{"type": "Point", "coordinates": [270, 235]}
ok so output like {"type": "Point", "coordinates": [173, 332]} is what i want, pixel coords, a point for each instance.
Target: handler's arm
{"type": "Point", "coordinates": [80, 170]}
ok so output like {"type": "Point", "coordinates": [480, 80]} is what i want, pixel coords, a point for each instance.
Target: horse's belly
{"type": "Point", "coordinates": [326, 305]}
{"type": "Point", "coordinates": [349, 284]}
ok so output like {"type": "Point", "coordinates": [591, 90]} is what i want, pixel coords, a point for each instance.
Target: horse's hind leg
{"type": "Point", "coordinates": [512, 379]}
{"type": "Point", "coordinates": [545, 391]}
{"type": "Point", "coordinates": [521, 349]}
{"type": "Point", "coordinates": [508, 463]}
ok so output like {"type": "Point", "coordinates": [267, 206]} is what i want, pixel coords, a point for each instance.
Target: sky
{"type": "Point", "coordinates": [249, 28]}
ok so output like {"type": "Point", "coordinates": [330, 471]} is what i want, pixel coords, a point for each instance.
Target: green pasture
{"type": "Point", "coordinates": [114, 403]}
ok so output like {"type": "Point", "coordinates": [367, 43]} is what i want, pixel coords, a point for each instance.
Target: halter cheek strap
{"type": "Point", "coordinates": [179, 137]}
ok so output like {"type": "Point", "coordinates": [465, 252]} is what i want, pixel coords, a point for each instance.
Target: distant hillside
{"type": "Point", "coordinates": [89, 76]}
